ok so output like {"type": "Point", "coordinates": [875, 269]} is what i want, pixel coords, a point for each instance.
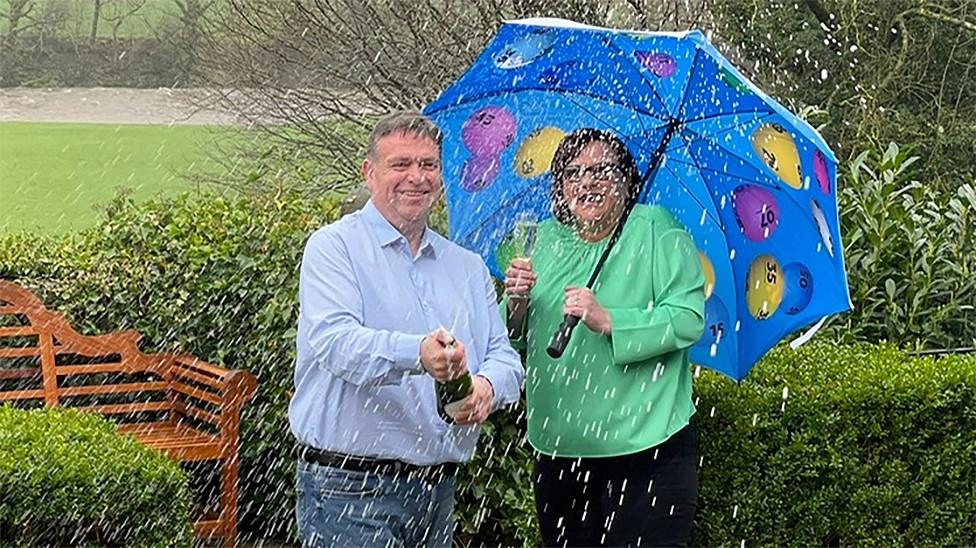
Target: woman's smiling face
{"type": "Point", "coordinates": [593, 186]}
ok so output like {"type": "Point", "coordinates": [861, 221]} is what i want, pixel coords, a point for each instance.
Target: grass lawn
{"type": "Point", "coordinates": [77, 16]}
{"type": "Point", "coordinates": [53, 176]}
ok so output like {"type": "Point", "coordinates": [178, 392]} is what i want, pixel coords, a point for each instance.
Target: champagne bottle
{"type": "Point", "coordinates": [451, 393]}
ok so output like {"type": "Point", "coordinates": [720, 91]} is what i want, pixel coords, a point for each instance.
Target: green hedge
{"type": "Point", "coordinates": [871, 446]}
{"type": "Point", "coordinates": [70, 478]}
{"type": "Point", "coordinates": [850, 445]}
{"type": "Point", "coordinates": [214, 277]}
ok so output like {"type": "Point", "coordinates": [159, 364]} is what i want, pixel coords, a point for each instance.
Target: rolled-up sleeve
{"type": "Point", "coordinates": [502, 365]}
{"type": "Point", "coordinates": [332, 310]}
{"type": "Point", "coordinates": [676, 321]}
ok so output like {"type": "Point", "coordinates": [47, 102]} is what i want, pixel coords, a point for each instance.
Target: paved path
{"type": "Point", "coordinates": [109, 105]}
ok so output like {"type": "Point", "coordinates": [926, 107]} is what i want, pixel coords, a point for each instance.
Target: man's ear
{"type": "Point", "coordinates": [356, 200]}
{"type": "Point", "coordinates": [367, 171]}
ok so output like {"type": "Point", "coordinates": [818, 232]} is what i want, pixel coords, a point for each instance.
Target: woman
{"type": "Point", "coordinates": [610, 420]}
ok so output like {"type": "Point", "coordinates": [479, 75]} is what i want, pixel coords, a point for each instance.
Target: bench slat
{"type": "Point", "coordinates": [22, 395]}
{"type": "Point", "coordinates": [196, 393]}
{"type": "Point", "coordinates": [194, 376]}
{"type": "Point", "coordinates": [126, 408]}
{"type": "Point", "coordinates": [12, 374]}
{"type": "Point", "coordinates": [121, 388]}
{"type": "Point", "coordinates": [20, 352]}
{"type": "Point", "coordinates": [207, 528]}
{"type": "Point", "coordinates": [200, 365]}
{"type": "Point", "coordinates": [181, 442]}
{"type": "Point", "coordinates": [20, 331]}
{"type": "Point", "coordinates": [90, 368]}
{"type": "Point", "coordinates": [197, 413]}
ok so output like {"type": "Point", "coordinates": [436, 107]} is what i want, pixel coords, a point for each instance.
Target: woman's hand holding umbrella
{"type": "Point", "coordinates": [581, 302]}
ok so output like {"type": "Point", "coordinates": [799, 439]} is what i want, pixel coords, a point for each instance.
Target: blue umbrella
{"type": "Point", "coordinates": [754, 184]}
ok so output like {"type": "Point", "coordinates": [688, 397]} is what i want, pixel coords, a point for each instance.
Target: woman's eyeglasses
{"type": "Point", "coordinates": [599, 172]}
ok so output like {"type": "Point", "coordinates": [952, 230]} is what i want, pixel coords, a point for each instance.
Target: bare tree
{"type": "Point", "coordinates": [123, 12]}
{"type": "Point", "coordinates": [17, 13]}
{"type": "Point", "coordinates": [310, 73]}
{"type": "Point", "coordinates": [96, 15]}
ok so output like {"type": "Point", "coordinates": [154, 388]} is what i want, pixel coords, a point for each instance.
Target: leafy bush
{"type": "Point", "coordinates": [495, 504]}
{"type": "Point", "coordinates": [69, 478]}
{"type": "Point", "coordinates": [217, 278]}
{"type": "Point", "coordinates": [865, 435]}
{"type": "Point", "coordinates": [850, 445]}
{"type": "Point", "coordinates": [881, 70]}
{"type": "Point", "coordinates": [911, 255]}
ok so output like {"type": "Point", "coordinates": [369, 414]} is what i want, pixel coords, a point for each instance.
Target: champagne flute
{"type": "Point", "coordinates": [524, 236]}
{"type": "Point", "coordinates": [526, 228]}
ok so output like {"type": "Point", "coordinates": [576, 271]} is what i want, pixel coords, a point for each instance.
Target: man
{"type": "Point", "coordinates": [389, 308]}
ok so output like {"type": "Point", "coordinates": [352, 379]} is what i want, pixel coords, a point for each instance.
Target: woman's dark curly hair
{"type": "Point", "coordinates": [570, 148]}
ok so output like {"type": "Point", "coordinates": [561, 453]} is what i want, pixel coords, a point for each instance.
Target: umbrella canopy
{"type": "Point", "coordinates": [753, 183]}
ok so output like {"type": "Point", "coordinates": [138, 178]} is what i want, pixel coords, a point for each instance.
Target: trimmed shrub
{"type": "Point", "coordinates": [69, 478]}
{"type": "Point", "coordinates": [850, 445]}
{"type": "Point", "coordinates": [214, 277]}
{"type": "Point", "coordinates": [869, 445]}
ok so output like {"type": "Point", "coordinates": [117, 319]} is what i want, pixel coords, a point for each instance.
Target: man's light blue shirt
{"type": "Point", "coordinates": [365, 305]}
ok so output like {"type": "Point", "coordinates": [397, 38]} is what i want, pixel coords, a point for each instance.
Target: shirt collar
{"type": "Point", "coordinates": [388, 234]}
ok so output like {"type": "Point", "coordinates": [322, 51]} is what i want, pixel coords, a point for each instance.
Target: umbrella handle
{"type": "Point", "coordinates": [561, 337]}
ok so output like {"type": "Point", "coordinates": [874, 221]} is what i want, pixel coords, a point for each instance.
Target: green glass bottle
{"type": "Point", "coordinates": [450, 394]}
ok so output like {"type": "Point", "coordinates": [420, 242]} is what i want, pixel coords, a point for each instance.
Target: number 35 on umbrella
{"type": "Point", "coordinates": [764, 292]}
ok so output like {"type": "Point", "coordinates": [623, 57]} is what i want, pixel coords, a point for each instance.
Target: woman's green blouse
{"type": "Point", "coordinates": [630, 390]}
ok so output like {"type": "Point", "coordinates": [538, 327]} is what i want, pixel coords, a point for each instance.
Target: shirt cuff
{"type": "Point", "coordinates": [495, 397]}
{"type": "Point", "coordinates": [406, 352]}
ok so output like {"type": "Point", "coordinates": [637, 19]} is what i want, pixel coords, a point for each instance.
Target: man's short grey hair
{"type": "Point", "coordinates": [405, 121]}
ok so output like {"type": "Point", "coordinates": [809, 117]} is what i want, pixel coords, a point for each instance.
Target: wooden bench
{"type": "Point", "coordinates": [176, 403]}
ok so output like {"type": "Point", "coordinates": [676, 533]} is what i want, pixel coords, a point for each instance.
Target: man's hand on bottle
{"type": "Point", "coordinates": [477, 406]}
{"type": "Point", "coordinates": [443, 356]}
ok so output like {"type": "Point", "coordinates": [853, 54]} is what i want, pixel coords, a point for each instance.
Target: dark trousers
{"type": "Point", "coordinates": [643, 499]}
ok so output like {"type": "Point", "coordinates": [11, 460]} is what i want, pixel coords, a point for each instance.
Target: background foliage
{"type": "Point", "coordinates": [67, 478]}
{"type": "Point", "coordinates": [840, 446]}
{"type": "Point", "coordinates": [910, 250]}
{"type": "Point", "coordinates": [830, 445]}
{"type": "Point", "coordinates": [879, 70]}
{"type": "Point", "coordinates": [218, 278]}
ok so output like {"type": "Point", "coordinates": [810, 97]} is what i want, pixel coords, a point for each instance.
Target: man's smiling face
{"type": "Point", "coordinates": [404, 178]}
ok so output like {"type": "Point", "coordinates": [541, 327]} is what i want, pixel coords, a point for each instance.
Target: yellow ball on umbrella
{"type": "Point", "coordinates": [777, 150]}
{"type": "Point", "coordinates": [709, 271]}
{"type": "Point", "coordinates": [764, 291]}
{"type": "Point", "coordinates": [534, 156]}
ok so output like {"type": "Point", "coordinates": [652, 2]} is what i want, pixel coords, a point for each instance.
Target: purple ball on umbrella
{"type": "Point", "coordinates": [661, 64]}
{"type": "Point", "coordinates": [479, 172]}
{"type": "Point", "coordinates": [488, 131]}
{"type": "Point", "coordinates": [756, 211]}
{"type": "Point", "coordinates": [820, 170]}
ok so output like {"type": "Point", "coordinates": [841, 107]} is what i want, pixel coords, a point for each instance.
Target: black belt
{"type": "Point", "coordinates": [376, 466]}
